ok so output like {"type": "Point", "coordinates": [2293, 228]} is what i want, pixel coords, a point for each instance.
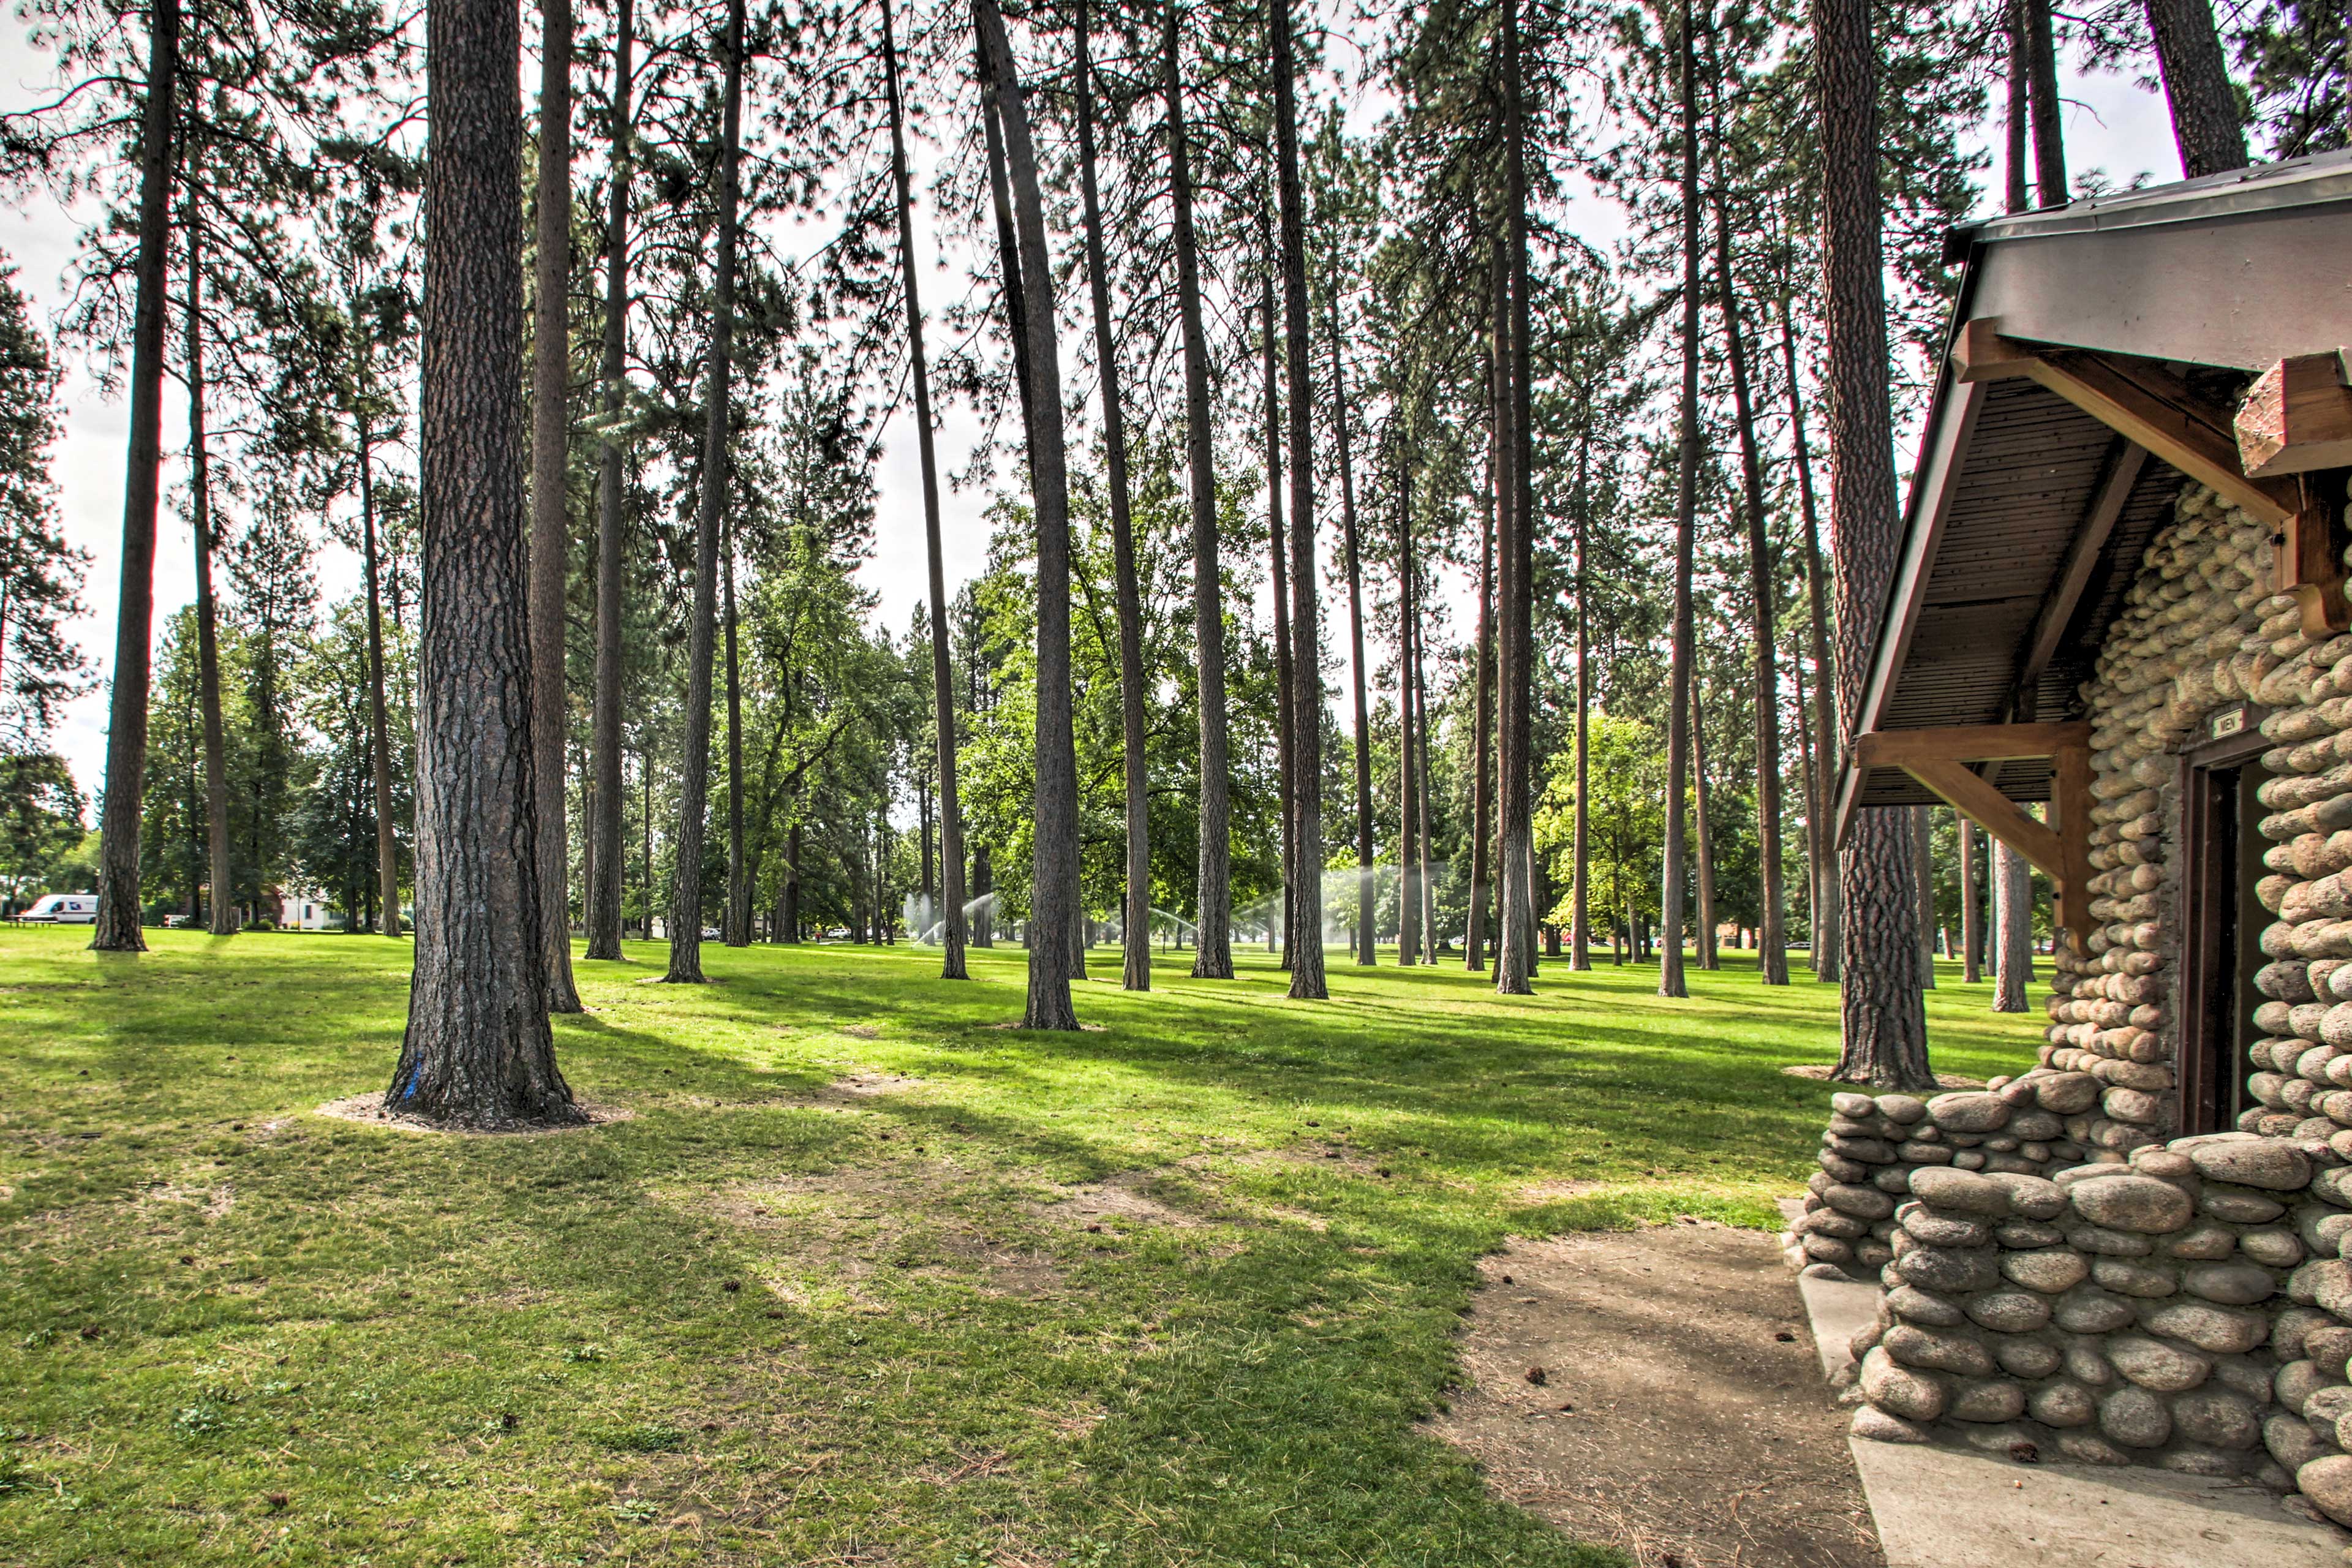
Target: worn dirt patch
{"type": "Point", "coordinates": [871, 1085]}
{"type": "Point", "coordinates": [369, 1109]}
{"type": "Point", "coordinates": [841, 1228]}
{"type": "Point", "coordinates": [1658, 1390]}
{"type": "Point", "coordinates": [1119, 1200]}
{"type": "Point", "coordinates": [1821, 1073]}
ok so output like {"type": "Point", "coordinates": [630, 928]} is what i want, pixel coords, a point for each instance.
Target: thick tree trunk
{"type": "Point", "coordinates": [1772, 953]}
{"type": "Point", "coordinates": [1053, 901]}
{"type": "Point", "coordinates": [1922, 840]}
{"type": "Point", "coordinates": [117, 929]}
{"type": "Point", "coordinates": [792, 896]}
{"type": "Point", "coordinates": [1407, 756]}
{"type": "Point", "coordinates": [735, 927]}
{"type": "Point", "coordinates": [1823, 855]}
{"type": "Point", "coordinates": [1972, 909]}
{"type": "Point", "coordinates": [1885, 1030]}
{"type": "Point", "coordinates": [2196, 86]}
{"type": "Point", "coordinates": [694, 784]}
{"type": "Point", "coordinates": [1515, 956]}
{"type": "Point", "coordinates": [478, 1052]}
{"type": "Point", "coordinates": [1284, 687]}
{"type": "Point", "coordinates": [1213, 959]}
{"type": "Point", "coordinates": [387, 843]}
{"type": "Point", "coordinates": [220, 909]}
{"type": "Point", "coordinates": [984, 888]}
{"type": "Point", "coordinates": [2013, 929]}
{"type": "Point", "coordinates": [2049, 130]}
{"type": "Point", "coordinates": [1812, 802]}
{"type": "Point", "coordinates": [1580, 946]}
{"type": "Point", "coordinates": [1136, 916]}
{"type": "Point", "coordinates": [604, 896]}
{"type": "Point", "coordinates": [951, 900]}
{"type": "Point", "coordinates": [1670, 952]}
{"type": "Point", "coordinates": [1704, 939]}
{"type": "Point", "coordinates": [1482, 720]}
{"type": "Point", "coordinates": [1422, 774]}
{"type": "Point", "coordinates": [2017, 117]}
{"type": "Point", "coordinates": [1367, 951]}
{"type": "Point", "coordinates": [551, 526]}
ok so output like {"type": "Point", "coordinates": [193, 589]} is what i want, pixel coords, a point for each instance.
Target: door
{"type": "Point", "coordinates": [2221, 862]}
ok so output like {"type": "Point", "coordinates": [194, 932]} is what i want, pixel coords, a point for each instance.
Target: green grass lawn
{"type": "Point", "coordinates": [772, 1320]}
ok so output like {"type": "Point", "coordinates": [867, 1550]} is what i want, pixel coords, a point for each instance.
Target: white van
{"type": "Point", "coordinates": [64, 909]}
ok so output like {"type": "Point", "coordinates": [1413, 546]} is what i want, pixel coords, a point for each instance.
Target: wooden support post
{"type": "Point", "coordinates": [2310, 564]}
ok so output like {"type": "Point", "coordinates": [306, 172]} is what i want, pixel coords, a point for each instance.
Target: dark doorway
{"type": "Point", "coordinates": [2221, 862]}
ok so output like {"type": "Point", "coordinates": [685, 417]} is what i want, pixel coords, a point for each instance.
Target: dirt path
{"type": "Point", "coordinates": [1658, 1389]}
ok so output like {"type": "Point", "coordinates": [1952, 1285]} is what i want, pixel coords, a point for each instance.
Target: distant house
{"type": "Point", "coordinates": [307, 911]}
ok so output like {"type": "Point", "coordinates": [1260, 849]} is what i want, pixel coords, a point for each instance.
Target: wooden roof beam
{"type": "Point", "coordinates": [2137, 399]}
{"type": "Point", "coordinates": [2297, 417]}
{"type": "Point", "coordinates": [2058, 848]}
{"type": "Point", "coordinates": [1966, 743]}
{"type": "Point", "coordinates": [2121, 471]}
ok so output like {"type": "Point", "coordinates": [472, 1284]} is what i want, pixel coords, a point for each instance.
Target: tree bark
{"type": "Point", "coordinates": [478, 1052]}
{"type": "Point", "coordinates": [736, 925]}
{"type": "Point", "coordinates": [1821, 853]}
{"type": "Point", "coordinates": [952, 925]}
{"type": "Point", "coordinates": [1923, 839]}
{"type": "Point", "coordinates": [1421, 774]}
{"type": "Point", "coordinates": [550, 529]}
{"type": "Point", "coordinates": [1972, 909]}
{"type": "Point", "coordinates": [220, 910]}
{"type": "Point", "coordinates": [1367, 951]}
{"type": "Point", "coordinates": [1285, 691]}
{"type": "Point", "coordinates": [1885, 1030]}
{"type": "Point", "coordinates": [1670, 939]}
{"type": "Point", "coordinates": [1053, 901]}
{"type": "Point", "coordinates": [604, 901]}
{"type": "Point", "coordinates": [1515, 948]}
{"type": "Point", "coordinates": [1773, 943]}
{"type": "Point", "coordinates": [387, 843]}
{"type": "Point", "coordinates": [694, 784]}
{"type": "Point", "coordinates": [2197, 88]}
{"type": "Point", "coordinates": [2013, 929]}
{"type": "Point", "coordinates": [1579, 945]}
{"type": "Point", "coordinates": [2049, 131]}
{"type": "Point", "coordinates": [1212, 957]}
{"type": "Point", "coordinates": [2017, 120]}
{"type": "Point", "coordinates": [1482, 716]}
{"type": "Point", "coordinates": [1705, 941]}
{"type": "Point", "coordinates": [117, 929]}
{"type": "Point", "coordinates": [1408, 758]}
{"type": "Point", "coordinates": [1812, 801]}
{"type": "Point", "coordinates": [1135, 921]}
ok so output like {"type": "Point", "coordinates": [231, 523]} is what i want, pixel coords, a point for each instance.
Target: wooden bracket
{"type": "Point", "coordinates": [2311, 565]}
{"type": "Point", "coordinates": [2137, 399]}
{"type": "Point", "coordinates": [2297, 417]}
{"type": "Point", "coordinates": [2058, 848]}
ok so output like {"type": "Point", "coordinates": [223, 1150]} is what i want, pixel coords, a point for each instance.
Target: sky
{"type": "Point", "coordinates": [2110, 125]}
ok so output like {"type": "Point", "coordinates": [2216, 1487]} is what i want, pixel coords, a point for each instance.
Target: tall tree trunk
{"type": "Point", "coordinates": [1923, 839]}
{"type": "Point", "coordinates": [1135, 922]}
{"type": "Point", "coordinates": [1972, 909]}
{"type": "Point", "coordinates": [1366, 952]}
{"type": "Point", "coordinates": [478, 1052]}
{"type": "Point", "coordinates": [736, 925]}
{"type": "Point", "coordinates": [1008, 240]}
{"type": "Point", "coordinates": [1284, 687]}
{"type": "Point", "coordinates": [1305, 949]}
{"type": "Point", "coordinates": [1812, 801]}
{"type": "Point", "coordinates": [2013, 932]}
{"type": "Point", "coordinates": [1408, 757]}
{"type": "Point", "coordinates": [1670, 949]}
{"type": "Point", "coordinates": [604, 901]}
{"type": "Point", "coordinates": [1704, 938]}
{"type": "Point", "coordinates": [220, 910]}
{"type": "Point", "coordinates": [1053, 903]}
{"type": "Point", "coordinates": [551, 525]}
{"type": "Point", "coordinates": [694, 787]}
{"type": "Point", "coordinates": [2196, 86]}
{"type": "Point", "coordinates": [2017, 117]}
{"type": "Point", "coordinates": [1420, 775]}
{"type": "Point", "coordinates": [2049, 130]}
{"type": "Point", "coordinates": [387, 842]}
{"type": "Point", "coordinates": [1212, 958]}
{"type": "Point", "coordinates": [792, 896]}
{"type": "Point", "coordinates": [951, 924]}
{"type": "Point", "coordinates": [1579, 951]}
{"type": "Point", "coordinates": [984, 888]}
{"type": "Point", "coordinates": [1773, 946]}
{"type": "Point", "coordinates": [1886, 1028]}
{"type": "Point", "coordinates": [1826, 917]}
{"type": "Point", "coordinates": [117, 929]}
{"type": "Point", "coordinates": [1516, 957]}
{"type": "Point", "coordinates": [645, 822]}
{"type": "Point", "coordinates": [1481, 718]}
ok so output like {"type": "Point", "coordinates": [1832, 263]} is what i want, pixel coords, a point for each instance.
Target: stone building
{"type": "Point", "coordinates": [2121, 592]}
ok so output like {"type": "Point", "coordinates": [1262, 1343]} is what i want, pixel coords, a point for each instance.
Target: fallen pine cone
{"type": "Point", "coordinates": [1536, 1375]}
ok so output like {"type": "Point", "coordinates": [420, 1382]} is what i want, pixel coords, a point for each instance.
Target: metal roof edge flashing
{"type": "Point", "coordinates": [2322, 179]}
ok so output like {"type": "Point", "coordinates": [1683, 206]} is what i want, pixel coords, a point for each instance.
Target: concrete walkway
{"type": "Point", "coordinates": [1942, 1507]}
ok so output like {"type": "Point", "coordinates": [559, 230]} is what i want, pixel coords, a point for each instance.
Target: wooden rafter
{"type": "Point", "coordinates": [2125, 461]}
{"type": "Point", "coordinates": [2297, 417]}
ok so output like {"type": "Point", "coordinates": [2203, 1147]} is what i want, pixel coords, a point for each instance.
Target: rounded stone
{"type": "Point", "coordinates": [1958, 1271]}
{"type": "Point", "coordinates": [1927, 1349]}
{"type": "Point", "coordinates": [2290, 1441]}
{"type": "Point", "coordinates": [2066, 1093]}
{"type": "Point", "coordinates": [2239, 1208]}
{"type": "Point", "coordinates": [2135, 1419]}
{"type": "Point", "coordinates": [1827, 1249]}
{"type": "Point", "coordinates": [1997, 1399]}
{"type": "Point", "coordinates": [2051, 1270]}
{"type": "Point", "coordinates": [2062, 1404]}
{"type": "Point", "coordinates": [2204, 1240]}
{"type": "Point", "coordinates": [2025, 1234]}
{"type": "Point", "coordinates": [1965, 1190]}
{"type": "Point", "coordinates": [2027, 1356]}
{"type": "Point", "coordinates": [2231, 1284]}
{"type": "Point", "coordinates": [2031, 1196]}
{"type": "Point", "coordinates": [2329, 1406]}
{"type": "Point", "coordinates": [1828, 1222]}
{"type": "Point", "coordinates": [2296, 1382]}
{"type": "Point", "coordinates": [2273, 1249]}
{"type": "Point", "coordinates": [2289, 1331]}
{"type": "Point", "coordinates": [2087, 1310]}
{"type": "Point", "coordinates": [1900, 1390]}
{"type": "Point", "coordinates": [1853, 1105]}
{"type": "Point", "coordinates": [1902, 1108]}
{"type": "Point", "coordinates": [2108, 1243]}
{"type": "Point", "coordinates": [2265, 1163]}
{"type": "Point", "coordinates": [2127, 1277]}
{"type": "Point", "coordinates": [2154, 1364]}
{"type": "Point", "coordinates": [2330, 1345]}
{"type": "Point", "coordinates": [1871, 1422]}
{"type": "Point", "coordinates": [2089, 1448]}
{"type": "Point", "coordinates": [2010, 1312]}
{"type": "Point", "coordinates": [1912, 1305]}
{"type": "Point", "coordinates": [1930, 1229]}
{"type": "Point", "coordinates": [2221, 1331]}
{"type": "Point", "coordinates": [2217, 1418]}
{"type": "Point", "coordinates": [2328, 1484]}
{"type": "Point", "coordinates": [2325, 1282]}
{"type": "Point", "coordinates": [1970, 1113]}
{"type": "Point", "coordinates": [1861, 1202]}
{"type": "Point", "coordinates": [1863, 1150]}
{"type": "Point", "coordinates": [2138, 1204]}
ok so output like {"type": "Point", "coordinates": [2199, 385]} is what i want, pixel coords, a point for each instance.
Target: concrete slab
{"type": "Point", "coordinates": [1945, 1506]}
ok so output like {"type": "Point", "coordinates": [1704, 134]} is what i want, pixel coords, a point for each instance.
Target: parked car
{"type": "Point", "coordinates": [64, 909]}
